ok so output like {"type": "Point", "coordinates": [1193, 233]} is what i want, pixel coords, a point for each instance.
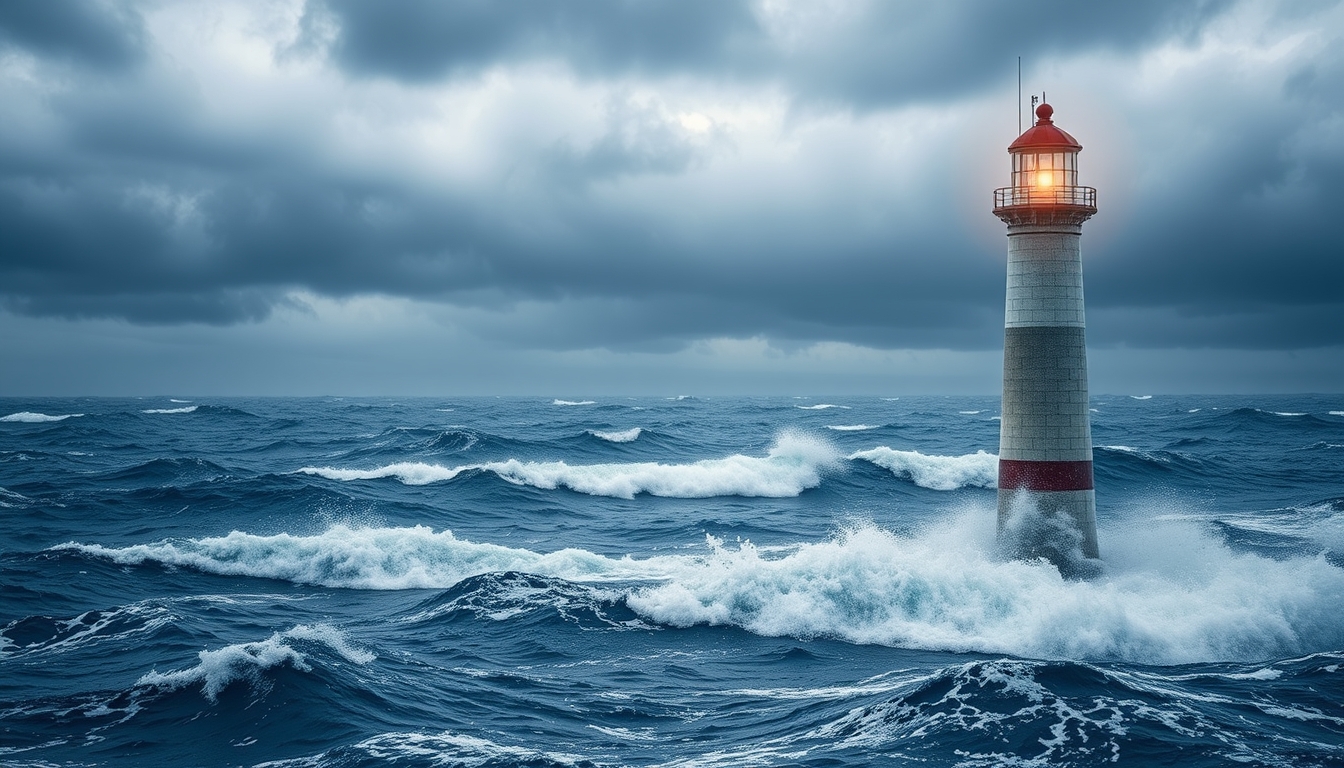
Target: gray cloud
{"type": "Point", "coordinates": [90, 33]}
{"type": "Point", "coordinates": [122, 195]}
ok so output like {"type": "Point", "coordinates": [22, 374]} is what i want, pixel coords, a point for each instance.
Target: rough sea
{"type": "Point", "coordinates": [659, 582]}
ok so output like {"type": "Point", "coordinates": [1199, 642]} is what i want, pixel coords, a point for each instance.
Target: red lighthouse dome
{"type": "Point", "coordinates": [1044, 182]}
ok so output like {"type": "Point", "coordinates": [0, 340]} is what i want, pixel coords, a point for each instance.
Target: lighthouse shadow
{"type": "Point", "coordinates": [1029, 533]}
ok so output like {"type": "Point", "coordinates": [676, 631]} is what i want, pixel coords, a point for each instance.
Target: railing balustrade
{"type": "Point", "coordinates": [1007, 197]}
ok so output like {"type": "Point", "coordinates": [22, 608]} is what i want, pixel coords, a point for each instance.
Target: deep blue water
{"type": "Point", "coordinates": [683, 582]}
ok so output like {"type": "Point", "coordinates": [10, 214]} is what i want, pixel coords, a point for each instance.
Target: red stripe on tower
{"type": "Point", "coordinates": [1045, 475]}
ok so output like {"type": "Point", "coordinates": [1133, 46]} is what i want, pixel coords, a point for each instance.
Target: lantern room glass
{"type": "Point", "coordinates": [1045, 170]}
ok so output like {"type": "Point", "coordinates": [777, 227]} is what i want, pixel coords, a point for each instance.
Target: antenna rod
{"type": "Point", "coordinates": [1019, 95]}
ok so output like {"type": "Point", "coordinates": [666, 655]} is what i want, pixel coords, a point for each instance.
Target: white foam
{"type": "Point", "coordinates": [793, 464]}
{"type": "Point", "coordinates": [1142, 397]}
{"type": "Point", "coordinates": [369, 558]}
{"type": "Point", "coordinates": [820, 407]}
{"type": "Point", "coordinates": [969, 413]}
{"type": "Point", "coordinates": [408, 472]}
{"type": "Point", "coordinates": [28, 417]}
{"type": "Point", "coordinates": [574, 402]}
{"type": "Point", "coordinates": [625, 436]}
{"type": "Point", "coordinates": [1194, 410]}
{"type": "Point", "coordinates": [1124, 448]}
{"type": "Point", "coordinates": [175, 400]}
{"type": "Point", "coordinates": [852, 427]}
{"type": "Point", "coordinates": [1169, 593]}
{"type": "Point", "coordinates": [446, 749]}
{"type": "Point", "coordinates": [1337, 413]}
{"type": "Point", "coordinates": [245, 661]}
{"type": "Point", "coordinates": [940, 473]}
{"type": "Point", "coordinates": [187, 409]}
{"type": "Point", "coordinates": [1287, 413]}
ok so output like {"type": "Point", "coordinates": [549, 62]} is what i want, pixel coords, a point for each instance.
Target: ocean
{"type": "Point", "coordinates": [619, 581]}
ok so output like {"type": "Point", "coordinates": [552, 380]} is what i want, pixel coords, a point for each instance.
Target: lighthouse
{"type": "Point", "coordinates": [1047, 503]}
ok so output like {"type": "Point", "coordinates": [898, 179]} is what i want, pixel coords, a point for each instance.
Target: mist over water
{"type": "Point", "coordinates": [653, 582]}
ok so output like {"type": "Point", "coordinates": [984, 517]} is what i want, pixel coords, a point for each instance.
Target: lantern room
{"type": "Point", "coordinates": [1045, 171]}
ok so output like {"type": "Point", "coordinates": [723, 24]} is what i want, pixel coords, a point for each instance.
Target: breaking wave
{"type": "Point", "coordinates": [793, 464]}
{"type": "Point", "coordinates": [184, 409]}
{"type": "Point", "coordinates": [1170, 593]}
{"type": "Point", "coordinates": [624, 436]}
{"type": "Point", "coordinates": [820, 407]}
{"type": "Point", "coordinates": [245, 661]}
{"type": "Point", "coordinates": [939, 473]}
{"type": "Point", "coordinates": [28, 417]}
{"type": "Point", "coordinates": [573, 402]}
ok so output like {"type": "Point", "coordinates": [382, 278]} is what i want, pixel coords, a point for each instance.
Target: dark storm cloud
{"type": "Point", "coordinates": [127, 198]}
{"type": "Point", "coordinates": [863, 54]}
{"type": "Point", "coordinates": [426, 39]}
{"type": "Point", "coordinates": [100, 34]}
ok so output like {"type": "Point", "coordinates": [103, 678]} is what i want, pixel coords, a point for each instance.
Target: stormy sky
{"type": "Point", "coordinates": [554, 197]}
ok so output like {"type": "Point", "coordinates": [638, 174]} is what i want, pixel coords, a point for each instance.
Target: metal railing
{"type": "Point", "coordinates": [1007, 197]}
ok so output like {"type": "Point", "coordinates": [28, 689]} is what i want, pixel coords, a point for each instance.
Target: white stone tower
{"type": "Point", "coordinates": [1045, 438]}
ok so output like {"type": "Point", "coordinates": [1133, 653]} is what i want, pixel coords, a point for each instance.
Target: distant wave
{"type": "Point", "coordinates": [969, 413]}
{"type": "Point", "coordinates": [1142, 397]}
{"type": "Point", "coordinates": [175, 400]}
{"type": "Point", "coordinates": [1337, 413]}
{"type": "Point", "coordinates": [793, 464]}
{"type": "Point", "coordinates": [625, 436]}
{"type": "Point", "coordinates": [574, 402]}
{"type": "Point", "coordinates": [820, 407]}
{"type": "Point", "coordinates": [1287, 413]}
{"type": "Point", "coordinates": [939, 473]}
{"type": "Point", "coordinates": [28, 417]}
{"type": "Point", "coordinates": [187, 409]}
{"type": "Point", "coordinates": [942, 589]}
{"type": "Point", "coordinates": [852, 427]}
{"type": "Point", "coordinates": [217, 669]}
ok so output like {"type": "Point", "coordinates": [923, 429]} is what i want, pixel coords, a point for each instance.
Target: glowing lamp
{"type": "Point", "coordinates": [1045, 173]}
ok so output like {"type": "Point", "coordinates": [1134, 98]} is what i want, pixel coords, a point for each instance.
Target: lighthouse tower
{"type": "Point", "coordinates": [1045, 439]}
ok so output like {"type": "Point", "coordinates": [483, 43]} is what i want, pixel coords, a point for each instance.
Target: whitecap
{"type": "Point", "coordinates": [175, 400]}
{"type": "Point", "coordinates": [820, 407]}
{"type": "Point", "coordinates": [28, 417]}
{"type": "Point", "coordinates": [216, 670]}
{"type": "Point", "coordinates": [574, 402]}
{"type": "Point", "coordinates": [408, 472]}
{"type": "Point", "coordinates": [187, 409]}
{"type": "Point", "coordinates": [793, 464]}
{"type": "Point", "coordinates": [1142, 397]}
{"type": "Point", "coordinates": [853, 427]}
{"type": "Point", "coordinates": [939, 473]}
{"type": "Point", "coordinates": [969, 413]}
{"type": "Point", "coordinates": [1287, 413]}
{"type": "Point", "coordinates": [624, 436]}
{"type": "Point", "coordinates": [1337, 413]}
{"type": "Point", "coordinates": [1169, 593]}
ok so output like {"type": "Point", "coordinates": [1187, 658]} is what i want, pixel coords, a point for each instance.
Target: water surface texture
{"type": "Point", "coordinates": [659, 582]}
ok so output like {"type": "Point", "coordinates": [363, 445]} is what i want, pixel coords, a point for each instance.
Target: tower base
{"type": "Point", "coordinates": [1060, 526]}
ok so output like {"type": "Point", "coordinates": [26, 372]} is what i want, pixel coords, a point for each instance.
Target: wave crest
{"type": "Point", "coordinates": [939, 473]}
{"type": "Point", "coordinates": [623, 436]}
{"type": "Point", "coordinates": [793, 464]}
{"type": "Point", "coordinates": [29, 417]}
{"type": "Point", "coordinates": [245, 661]}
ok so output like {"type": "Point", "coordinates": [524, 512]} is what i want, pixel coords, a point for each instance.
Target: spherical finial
{"type": "Point", "coordinates": [1044, 112]}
